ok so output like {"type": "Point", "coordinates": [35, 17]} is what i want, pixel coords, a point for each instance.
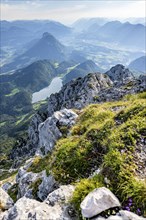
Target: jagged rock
{"type": "Point", "coordinates": [23, 169]}
{"type": "Point", "coordinates": [60, 195]}
{"type": "Point", "coordinates": [33, 129]}
{"type": "Point", "coordinates": [78, 93]}
{"type": "Point", "coordinates": [142, 79]}
{"type": "Point", "coordinates": [26, 179]}
{"type": "Point", "coordinates": [126, 215]}
{"type": "Point", "coordinates": [44, 212]}
{"type": "Point", "coordinates": [6, 186]}
{"type": "Point", "coordinates": [25, 182]}
{"type": "Point", "coordinates": [21, 208]}
{"type": "Point", "coordinates": [5, 200]}
{"type": "Point", "coordinates": [98, 201]}
{"type": "Point", "coordinates": [119, 74]}
{"type": "Point", "coordinates": [30, 209]}
{"type": "Point", "coordinates": [48, 185]}
{"type": "Point", "coordinates": [49, 130]}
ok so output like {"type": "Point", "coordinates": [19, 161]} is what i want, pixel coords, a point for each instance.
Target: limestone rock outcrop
{"type": "Point", "coordinates": [29, 209]}
{"type": "Point", "coordinates": [119, 74]}
{"type": "Point", "coordinates": [78, 93]}
{"type": "Point", "coordinates": [50, 130]}
{"type": "Point", "coordinates": [97, 201]}
{"type": "Point", "coordinates": [5, 200]}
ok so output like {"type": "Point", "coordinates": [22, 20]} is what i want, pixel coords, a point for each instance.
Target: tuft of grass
{"type": "Point", "coordinates": [39, 164]}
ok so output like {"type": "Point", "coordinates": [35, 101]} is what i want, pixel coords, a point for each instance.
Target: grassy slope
{"type": "Point", "coordinates": [106, 136]}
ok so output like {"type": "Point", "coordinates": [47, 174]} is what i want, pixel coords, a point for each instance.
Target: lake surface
{"type": "Point", "coordinates": [54, 87]}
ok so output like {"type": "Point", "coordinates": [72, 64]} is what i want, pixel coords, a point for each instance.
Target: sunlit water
{"type": "Point", "coordinates": [54, 87]}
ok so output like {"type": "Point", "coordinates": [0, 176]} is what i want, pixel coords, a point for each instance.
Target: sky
{"type": "Point", "coordinates": [69, 11]}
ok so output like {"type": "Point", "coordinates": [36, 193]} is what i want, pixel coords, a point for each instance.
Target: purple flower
{"type": "Point", "coordinates": [138, 211]}
{"type": "Point", "coordinates": [130, 204]}
{"type": "Point", "coordinates": [127, 208]}
{"type": "Point", "coordinates": [130, 200]}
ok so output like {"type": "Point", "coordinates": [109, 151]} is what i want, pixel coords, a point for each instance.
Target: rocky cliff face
{"type": "Point", "coordinates": [79, 93]}
{"type": "Point", "coordinates": [112, 85]}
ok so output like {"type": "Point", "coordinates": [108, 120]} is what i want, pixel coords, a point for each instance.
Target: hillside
{"type": "Point", "coordinates": [33, 77]}
{"type": "Point", "coordinates": [139, 64]}
{"type": "Point", "coordinates": [82, 70]}
{"type": "Point", "coordinates": [103, 142]}
{"type": "Point", "coordinates": [88, 137]}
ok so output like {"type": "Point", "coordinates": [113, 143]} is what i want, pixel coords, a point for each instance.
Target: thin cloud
{"type": "Point", "coordinates": [69, 11]}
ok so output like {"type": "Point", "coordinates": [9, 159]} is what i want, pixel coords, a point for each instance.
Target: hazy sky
{"type": "Point", "coordinates": [68, 11]}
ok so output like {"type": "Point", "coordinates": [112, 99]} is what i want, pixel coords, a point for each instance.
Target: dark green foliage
{"type": "Point", "coordinates": [34, 186]}
{"type": "Point", "coordinates": [13, 191]}
{"type": "Point", "coordinates": [35, 76]}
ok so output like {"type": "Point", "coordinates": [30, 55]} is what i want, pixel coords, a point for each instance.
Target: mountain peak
{"type": "Point", "coordinates": [47, 36]}
{"type": "Point", "coordinates": [120, 73]}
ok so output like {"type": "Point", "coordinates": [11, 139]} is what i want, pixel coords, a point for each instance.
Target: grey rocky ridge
{"type": "Point", "coordinates": [39, 192]}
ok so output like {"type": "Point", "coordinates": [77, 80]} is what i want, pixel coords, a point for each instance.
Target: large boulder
{"type": "Point", "coordinates": [5, 200]}
{"type": "Point", "coordinates": [50, 130]}
{"type": "Point", "coordinates": [97, 201]}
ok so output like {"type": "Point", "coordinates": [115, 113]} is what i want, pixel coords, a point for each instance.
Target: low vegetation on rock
{"type": "Point", "coordinates": [107, 139]}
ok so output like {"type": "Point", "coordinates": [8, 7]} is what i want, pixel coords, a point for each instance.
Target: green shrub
{"type": "Point", "coordinates": [83, 188]}
{"type": "Point", "coordinates": [39, 164]}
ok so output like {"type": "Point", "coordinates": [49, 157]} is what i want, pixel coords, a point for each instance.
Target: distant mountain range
{"type": "Point", "coordinates": [85, 23]}
{"type": "Point", "coordinates": [139, 64]}
{"type": "Point", "coordinates": [125, 34]}
{"type": "Point", "coordinates": [15, 33]}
